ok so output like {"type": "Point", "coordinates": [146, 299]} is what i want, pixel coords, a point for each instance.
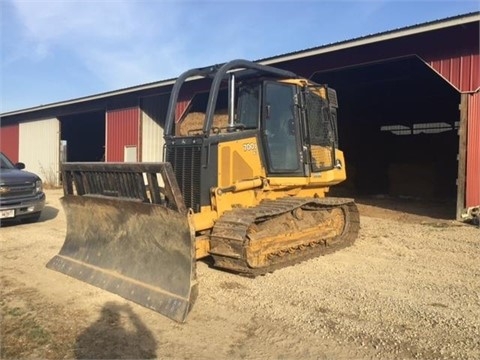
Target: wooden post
{"type": "Point", "coordinates": [462, 155]}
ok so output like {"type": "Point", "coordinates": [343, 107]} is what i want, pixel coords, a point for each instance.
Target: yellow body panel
{"type": "Point", "coordinates": [243, 182]}
{"type": "Point", "coordinates": [239, 160]}
{"type": "Point", "coordinates": [202, 246]}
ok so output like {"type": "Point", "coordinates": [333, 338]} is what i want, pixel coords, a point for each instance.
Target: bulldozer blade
{"type": "Point", "coordinates": [143, 252]}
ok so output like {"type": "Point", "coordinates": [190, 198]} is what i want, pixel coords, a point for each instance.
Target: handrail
{"type": "Point", "coordinates": [220, 74]}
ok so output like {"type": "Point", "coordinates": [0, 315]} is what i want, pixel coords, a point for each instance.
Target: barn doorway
{"type": "Point", "coordinates": [83, 137]}
{"type": "Point", "coordinates": [398, 126]}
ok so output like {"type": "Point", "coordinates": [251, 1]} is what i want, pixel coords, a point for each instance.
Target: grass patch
{"type": "Point", "coordinates": [34, 328]}
{"type": "Point", "coordinates": [22, 334]}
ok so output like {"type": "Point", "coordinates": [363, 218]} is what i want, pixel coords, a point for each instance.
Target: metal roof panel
{"type": "Point", "coordinates": [359, 41]}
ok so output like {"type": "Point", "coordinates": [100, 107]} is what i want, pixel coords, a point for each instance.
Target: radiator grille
{"type": "Point", "coordinates": [186, 162]}
{"type": "Point", "coordinates": [13, 191]}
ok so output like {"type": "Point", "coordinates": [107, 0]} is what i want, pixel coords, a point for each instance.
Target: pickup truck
{"type": "Point", "coordinates": [21, 193]}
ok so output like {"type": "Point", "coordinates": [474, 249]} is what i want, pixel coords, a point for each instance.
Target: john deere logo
{"type": "Point", "coordinates": [4, 189]}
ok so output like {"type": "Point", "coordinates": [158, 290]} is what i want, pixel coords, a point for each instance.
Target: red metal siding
{"type": "Point", "coordinates": [462, 72]}
{"type": "Point", "coordinates": [473, 152]}
{"type": "Point", "coordinates": [188, 93]}
{"type": "Point", "coordinates": [122, 129]}
{"type": "Point", "coordinates": [453, 52]}
{"type": "Point", "coordinates": [182, 106]}
{"type": "Point", "coordinates": [9, 136]}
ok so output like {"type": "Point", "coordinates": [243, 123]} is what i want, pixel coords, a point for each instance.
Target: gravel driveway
{"type": "Point", "coordinates": [408, 288]}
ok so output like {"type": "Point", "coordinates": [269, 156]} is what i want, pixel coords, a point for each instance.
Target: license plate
{"type": "Point", "coordinates": [5, 214]}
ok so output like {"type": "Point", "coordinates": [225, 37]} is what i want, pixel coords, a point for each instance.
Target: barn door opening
{"type": "Point", "coordinates": [398, 124]}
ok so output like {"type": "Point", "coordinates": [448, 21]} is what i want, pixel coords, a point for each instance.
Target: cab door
{"type": "Point", "coordinates": [281, 130]}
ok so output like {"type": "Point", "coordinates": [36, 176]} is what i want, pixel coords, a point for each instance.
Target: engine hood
{"type": "Point", "coordinates": [11, 176]}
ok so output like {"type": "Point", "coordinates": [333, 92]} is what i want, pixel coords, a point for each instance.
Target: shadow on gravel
{"type": "Point", "coordinates": [48, 213]}
{"type": "Point", "coordinates": [441, 210]}
{"type": "Point", "coordinates": [117, 334]}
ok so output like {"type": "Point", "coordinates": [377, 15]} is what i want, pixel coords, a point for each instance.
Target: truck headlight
{"type": "Point", "coordinates": [38, 186]}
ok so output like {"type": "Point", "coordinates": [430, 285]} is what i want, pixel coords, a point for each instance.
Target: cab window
{"type": "Point", "coordinates": [281, 128]}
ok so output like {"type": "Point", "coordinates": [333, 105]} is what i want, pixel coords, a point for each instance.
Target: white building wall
{"type": "Point", "coordinates": [154, 109]}
{"type": "Point", "coordinates": [152, 140]}
{"type": "Point", "coordinates": [39, 148]}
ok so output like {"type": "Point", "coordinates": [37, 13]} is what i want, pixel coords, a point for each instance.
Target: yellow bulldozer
{"type": "Point", "coordinates": [243, 182]}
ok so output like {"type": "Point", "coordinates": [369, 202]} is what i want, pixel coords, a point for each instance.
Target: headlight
{"type": "Point", "coordinates": [38, 186]}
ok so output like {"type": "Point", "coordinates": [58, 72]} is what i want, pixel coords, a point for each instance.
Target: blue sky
{"type": "Point", "coordinates": [59, 50]}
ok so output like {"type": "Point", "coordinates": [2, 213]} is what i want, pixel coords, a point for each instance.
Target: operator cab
{"type": "Point", "coordinates": [297, 123]}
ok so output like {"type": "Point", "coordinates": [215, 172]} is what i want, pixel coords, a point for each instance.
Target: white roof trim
{"type": "Point", "coordinates": [374, 38]}
{"type": "Point", "coordinates": [92, 97]}
{"type": "Point", "coordinates": [393, 34]}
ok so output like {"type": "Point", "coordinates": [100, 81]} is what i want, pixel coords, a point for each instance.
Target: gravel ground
{"type": "Point", "coordinates": [409, 288]}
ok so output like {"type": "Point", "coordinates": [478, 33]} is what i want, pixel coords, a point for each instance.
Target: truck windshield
{"type": "Point", "coordinates": [5, 163]}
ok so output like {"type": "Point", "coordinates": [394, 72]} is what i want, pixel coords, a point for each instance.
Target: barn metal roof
{"type": "Point", "coordinates": [382, 36]}
{"type": "Point", "coordinates": [345, 44]}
